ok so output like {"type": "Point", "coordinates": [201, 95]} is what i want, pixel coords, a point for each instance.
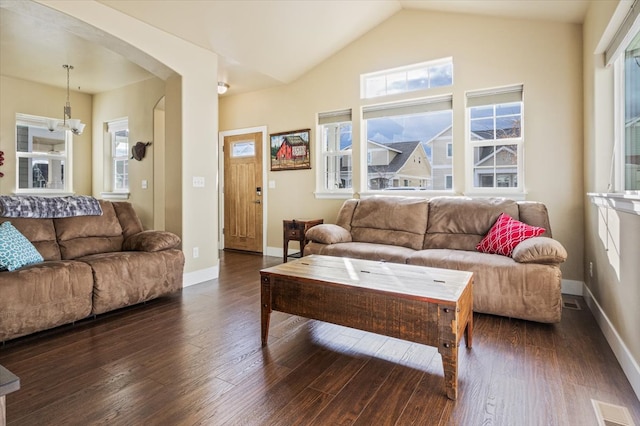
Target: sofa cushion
{"type": "Point", "coordinates": [539, 250]}
{"type": "Point", "coordinates": [535, 213]}
{"type": "Point", "coordinates": [16, 250]}
{"type": "Point", "coordinates": [151, 241]}
{"type": "Point", "coordinates": [461, 222]}
{"type": "Point", "coordinates": [124, 278]}
{"type": "Point", "coordinates": [400, 221]}
{"type": "Point", "coordinates": [85, 235]}
{"type": "Point", "coordinates": [45, 295]}
{"type": "Point", "coordinates": [370, 251]}
{"type": "Point", "coordinates": [505, 234]}
{"type": "Point", "coordinates": [41, 233]}
{"type": "Point", "coordinates": [328, 233]}
{"type": "Point", "coordinates": [502, 286]}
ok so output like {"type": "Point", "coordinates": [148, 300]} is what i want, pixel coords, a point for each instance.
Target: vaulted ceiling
{"type": "Point", "coordinates": [260, 43]}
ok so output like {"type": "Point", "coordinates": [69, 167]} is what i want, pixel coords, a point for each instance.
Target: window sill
{"type": "Point", "coordinates": [516, 196]}
{"type": "Point", "coordinates": [628, 203]}
{"type": "Point", "coordinates": [40, 193]}
{"type": "Point", "coordinates": [333, 195]}
{"type": "Point", "coordinates": [114, 195]}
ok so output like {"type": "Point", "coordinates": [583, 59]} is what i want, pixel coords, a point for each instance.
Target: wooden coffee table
{"type": "Point", "coordinates": [415, 303]}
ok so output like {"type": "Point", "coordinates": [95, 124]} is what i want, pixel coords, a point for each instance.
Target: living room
{"type": "Point", "coordinates": [567, 92]}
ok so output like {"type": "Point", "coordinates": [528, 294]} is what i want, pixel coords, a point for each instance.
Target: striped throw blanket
{"type": "Point", "coordinates": [49, 207]}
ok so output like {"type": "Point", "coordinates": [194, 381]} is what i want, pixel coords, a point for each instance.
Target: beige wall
{"type": "Point", "coordinates": [487, 52]}
{"type": "Point", "coordinates": [21, 96]}
{"type": "Point", "coordinates": [611, 237]}
{"type": "Point", "coordinates": [136, 102]}
{"type": "Point", "coordinates": [194, 131]}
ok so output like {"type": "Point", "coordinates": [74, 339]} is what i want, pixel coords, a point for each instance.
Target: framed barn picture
{"type": "Point", "coordinates": [290, 150]}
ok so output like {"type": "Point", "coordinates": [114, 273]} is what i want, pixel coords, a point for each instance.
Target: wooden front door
{"type": "Point", "coordinates": [243, 192]}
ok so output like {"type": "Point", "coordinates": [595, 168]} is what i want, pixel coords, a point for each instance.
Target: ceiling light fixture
{"type": "Point", "coordinates": [222, 87]}
{"type": "Point", "coordinates": [67, 123]}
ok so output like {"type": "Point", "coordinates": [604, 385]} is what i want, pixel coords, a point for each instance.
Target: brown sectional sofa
{"type": "Point", "coordinates": [443, 232]}
{"type": "Point", "coordinates": [92, 265]}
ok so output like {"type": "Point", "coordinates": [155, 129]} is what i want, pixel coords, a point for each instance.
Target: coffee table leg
{"type": "Point", "coordinates": [448, 348]}
{"type": "Point", "coordinates": [468, 331]}
{"type": "Point", "coordinates": [265, 302]}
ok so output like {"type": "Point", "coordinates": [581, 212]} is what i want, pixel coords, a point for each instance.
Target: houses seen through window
{"type": "Point", "coordinates": [495, 137]}
{"type": "Point", "coordinates": [335, 151]}
{"type": "Point", "coordinates": [407, 144]}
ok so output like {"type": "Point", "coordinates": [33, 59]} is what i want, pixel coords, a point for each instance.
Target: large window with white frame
{"type": "Point", "coordinates": [119, 147]}
{"type": "Point", "coordinates": [425, 75]}
{"type": "Point", "coordinates": [495, 140]}
{"type": "Point", "coordinates": [627, 67]}
{"type": "Point", "coordinates": [43, 157]}
{"type": "Point", "coordinates": [406, 144]}
{"type": "Point", "coordinates": [334, 132]}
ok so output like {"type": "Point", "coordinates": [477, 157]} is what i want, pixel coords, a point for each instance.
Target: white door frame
{"type": "Point", "coordinates": [266, 155]}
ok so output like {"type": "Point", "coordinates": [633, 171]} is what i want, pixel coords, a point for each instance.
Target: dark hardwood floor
{"type": "Point", "coordinates": [196, 358]}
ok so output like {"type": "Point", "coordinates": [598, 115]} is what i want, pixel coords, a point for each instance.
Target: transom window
{"type": "Point", "coordinates": [495, 138]}
{"type": "Point", "coordinates": [43, 157]}
{"type": "Point", "coordinates": [409, 78]}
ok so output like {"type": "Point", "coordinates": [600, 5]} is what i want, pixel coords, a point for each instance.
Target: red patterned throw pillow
{"type": "Point", "coordinates": [505, 235]}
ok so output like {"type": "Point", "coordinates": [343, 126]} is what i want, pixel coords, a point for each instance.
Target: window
{"type": "Point", "coordinates": [119, 141]}
{"type": "Point", "coordinates": [624, 54]}
{"type": "Point", "coordinates": [410, 78]}
{"type": "Point", "coordinates": [407, 144]}
{"type": "Point", "coordinates": [495, 140]}
{"type": "Point", "coordinates": [43, 157]}
{"type": "Point", "coordinates": [628, 76]}
{"type": "Point", "coordinates": [335, 151]}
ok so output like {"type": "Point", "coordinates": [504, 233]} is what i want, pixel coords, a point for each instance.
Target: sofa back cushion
{"type": "Point", "coordinates": [399, 221]}
{"type": "Point", "coordinates": [40, 232]}
{"type": "Point", "coordinates": [85, 235]}
{"type": "Point", "coordinates": [535, 213]}
{"type": "Point", "coordinates": [128, 218]}
{"type": "Point", "coordinates": [460, 223]}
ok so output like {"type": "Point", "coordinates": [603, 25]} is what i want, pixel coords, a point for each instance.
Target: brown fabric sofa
{"type": "Point", "coordinates": [443, 232]}
{"type": "Point", "coordinates": [92, 264]}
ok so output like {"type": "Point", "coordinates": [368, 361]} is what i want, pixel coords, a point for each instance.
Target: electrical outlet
{"type": "Point", "coordinates": [591, 269]}
{"type": "Point", "coordinates": [198, 182]}
{"type": "Point", "coordinates": [196, 252]}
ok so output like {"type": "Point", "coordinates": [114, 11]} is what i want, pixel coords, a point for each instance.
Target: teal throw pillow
{"type": "Point", "coordinates": [16, 250]}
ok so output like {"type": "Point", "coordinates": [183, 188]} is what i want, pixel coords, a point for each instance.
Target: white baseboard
{"type": "Point", "coordinates": [575, 288]}
{"type": "Point", "coordinates": [275, 251]}
{"type": "Point", "coordinates": [626, 360]}
{"type": "Point", "coordinates": [200, 276]}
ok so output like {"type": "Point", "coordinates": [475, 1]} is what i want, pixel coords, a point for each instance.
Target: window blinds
{"type": "Point", "coordinates": [624, 35]}
{"type": "Point", "coordinates": [334, 116]}
{"type": "Point", "coordinates": [440, 103]}
{"type": "Point", "coordinates": [500, 95]}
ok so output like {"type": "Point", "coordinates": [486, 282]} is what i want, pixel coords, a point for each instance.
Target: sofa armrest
{"type": "Point", "coordinates": [328, 234]}
{"type": "Point", "coordinates": [151, 241]}
{"type": "Point", "coordinates": [539, 250]}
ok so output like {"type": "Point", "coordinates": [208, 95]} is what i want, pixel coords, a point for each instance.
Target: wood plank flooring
{"type": "Point", "coordinates": [196, 359]}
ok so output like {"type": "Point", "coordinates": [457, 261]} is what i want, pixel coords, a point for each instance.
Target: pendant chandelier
{"type": "Point", "coordinates": [67, 123]}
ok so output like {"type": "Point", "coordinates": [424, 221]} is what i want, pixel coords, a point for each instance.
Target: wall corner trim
{"type": "Point", "coordinates": [627, 362]}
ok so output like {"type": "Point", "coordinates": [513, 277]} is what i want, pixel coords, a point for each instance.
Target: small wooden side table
{"type": "Point", "coordinates": [9, 382]}
{"type": "Point", "coordinates": [294, 230]}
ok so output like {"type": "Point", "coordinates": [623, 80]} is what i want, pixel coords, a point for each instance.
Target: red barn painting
{"type": "Point", "coordinates": [290, 150]}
